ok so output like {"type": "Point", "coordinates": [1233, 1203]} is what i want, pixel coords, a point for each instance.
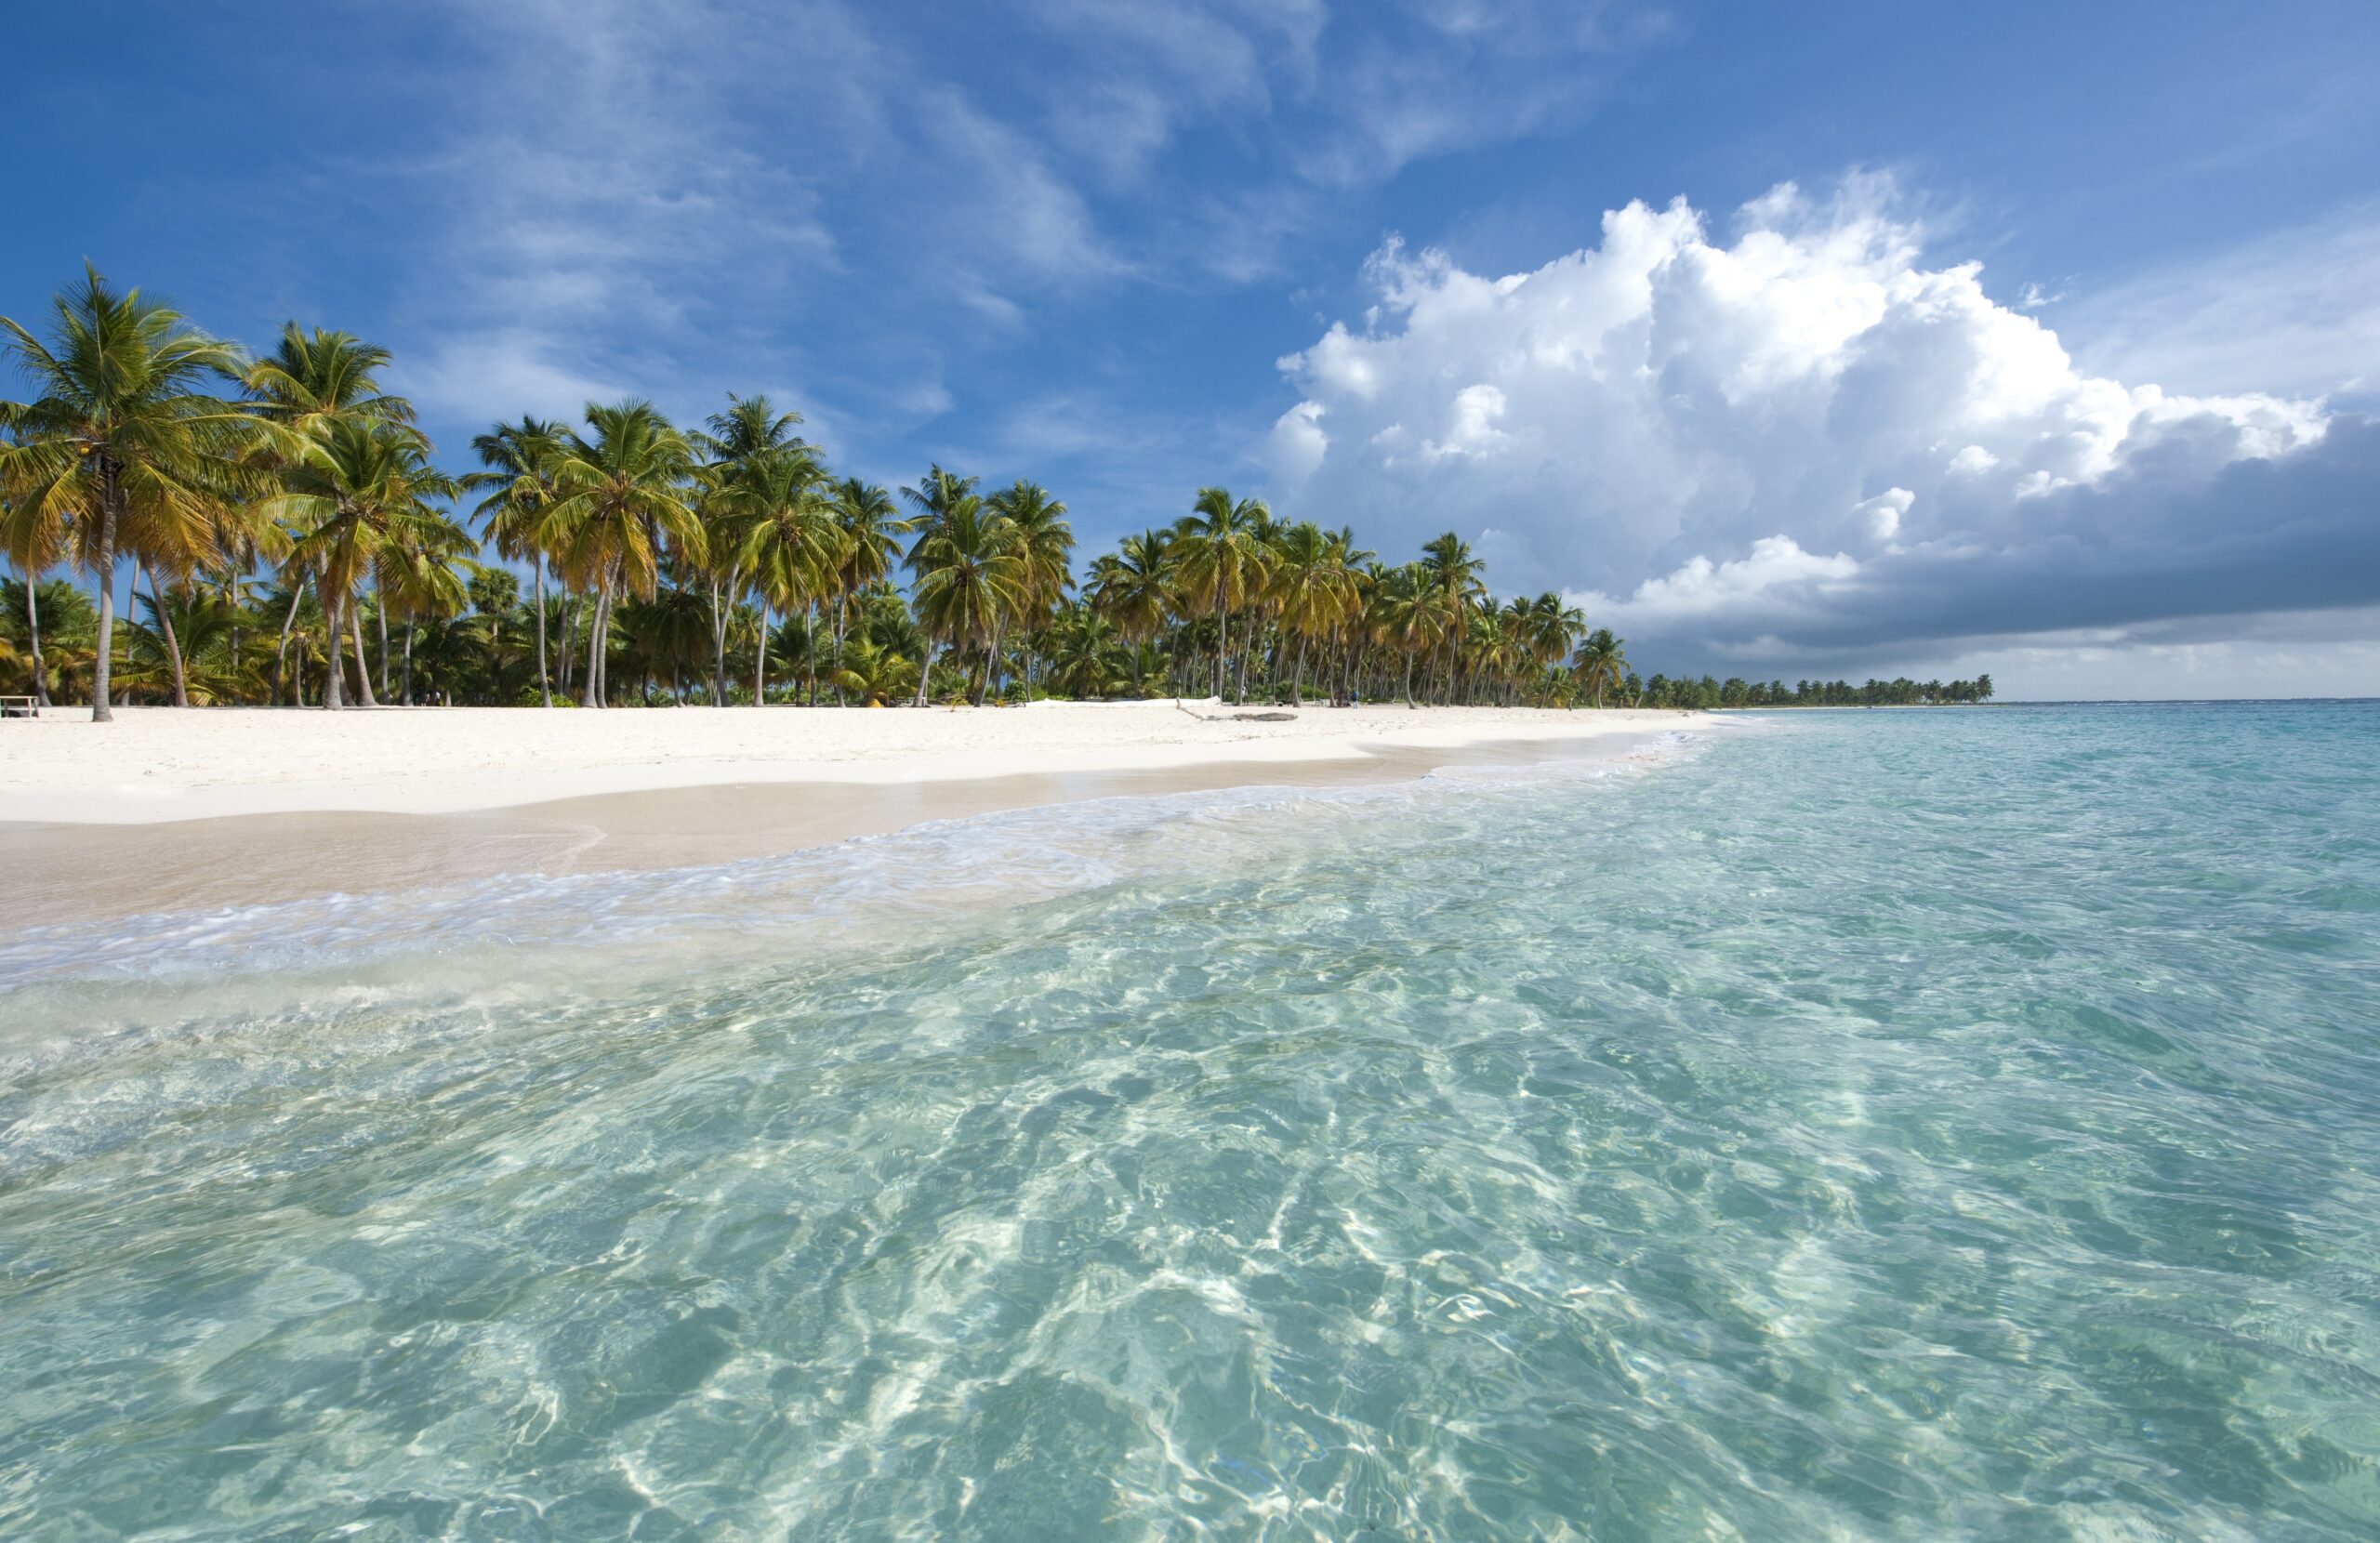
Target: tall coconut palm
{"type": "Point", "coordinates": [1410, 615]}
{"type": "Point", "coordinates": [312, 379]}
{"type": "Point", "coordinates": [1132, 588]}
{"type": "Point", "coordinates": [420, 576]}
{"type": "Point", "coordinates": [624, 493]}
{"type": "Point", "coordinates": [34, 541]}
{"type": "Point", "coordinates": [121, 444]}
{"type": "Point", "coordinates": [1222, 556]}
{"type": "Point", "coordinates": [941, 499]}
{"type": "Point", "coordinates": [780, 539]}
{"type": "Point", "coordinates": [360, 495]}
{"type": "Point", "coordinates": [865, 517]}
{"type": "Point", "coordinates": [750, 429]}
{"type": "Point", "coordinates": [1601, 662]}
{"type": "Point", "coordinates": [519, 458]}
{"type": "Point", "coordinates": [1314, 590]}
{"type": "Point", "coordinates": [970, 576]}
{"type": "Point", "coordinates": [1043, 540]}
{"type": "Point", "coordinates": [1456, 573]}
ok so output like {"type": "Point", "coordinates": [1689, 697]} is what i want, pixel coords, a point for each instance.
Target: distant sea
{"type": "Point", "coordinates": [1958, 1123]}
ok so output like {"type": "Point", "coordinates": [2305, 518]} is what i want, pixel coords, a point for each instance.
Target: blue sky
{"type": "Point", "coordinates": [1778, 427]}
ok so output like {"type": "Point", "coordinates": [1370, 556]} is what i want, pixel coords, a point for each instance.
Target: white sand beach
{"type": "Point", "coordinates": [157, 764]}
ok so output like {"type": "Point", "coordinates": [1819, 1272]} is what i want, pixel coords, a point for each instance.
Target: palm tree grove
{"type": "Point", "coordinates": [293, 541]}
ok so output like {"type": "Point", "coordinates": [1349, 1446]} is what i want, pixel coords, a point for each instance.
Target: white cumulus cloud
{"type": "Point", "coordinates": [1802, 427]}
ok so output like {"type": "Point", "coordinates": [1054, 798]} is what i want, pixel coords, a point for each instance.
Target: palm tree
{"type": "Point", "coordinates": [1043, 540]}
{"type": "Point", "coordinates": [778, 525]}
{"type": "Point", "coordinates": [865, 517]}
{"type": "Point", "coordinates": [1132, 588]}
{"type": "Point", "coordinates": [519, 458]}
{"type": "Point", "coordinates": [312, 379]}
{"type": "Point", "coordinates": [420, 576]}
{"type": "Point", "coordinates": [1222, 556]}
{"type": "Point", "coordinates": [1410, 614]}
{"type": "Point", "coordinates": [1455, 573]}
{"type": "Point", "coordinates": [121, 445]}
{"type": "Point", "coordinates": [941, 499]}
{"type": "Point", "coordinates": [874, 675]}
{"type": "Point", "coordinates": [35, 542]}
{"type": "Point", "coordinates": [1314, 590]}
{"type": "Point", "coordinates": [623, 495]}
{"type": "Point", "coordinates": [970, 576]}
{"type": "Point", "coordinates": [359, 496]}
{"type": "Point", "coordinates": [1601, 662]}
{"type": "Point", "coordinates": [749, 430]}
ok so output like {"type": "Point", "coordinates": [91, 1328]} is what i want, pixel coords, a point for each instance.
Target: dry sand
{"type": "Point", "coordinates": [158, 764]}
{"type": "Point", "coordinates": [167, 810]}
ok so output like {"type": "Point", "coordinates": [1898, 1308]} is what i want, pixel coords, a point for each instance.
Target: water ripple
{"type": "Point", "coordinates": [1900, 1126]}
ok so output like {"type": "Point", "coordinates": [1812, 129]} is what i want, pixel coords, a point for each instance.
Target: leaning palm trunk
{"type": "Point", "coordinates": [363, 697]}
{"type": "Point", "coordinates": [32, 634]}
{"type": "Point", "coordinates": [173, 645]}
{"type": "Point", "coordinates": [925, 672]}
{"type": "Point", "coordinates": [1297, 676]}
{"type": "Point", "coordinates": [595, 626]}
{"type": "Point", "coordinates": [991, 665]}
{"type": "Point", "coordinates": [407, 698]}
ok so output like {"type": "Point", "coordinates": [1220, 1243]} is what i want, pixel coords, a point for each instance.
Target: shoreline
{"type": "Point", "coordinates": [162, 765]}
{"type": "Point", "coordinates": [136, 859]}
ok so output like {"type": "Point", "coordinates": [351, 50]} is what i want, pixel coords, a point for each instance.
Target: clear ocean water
{"type": "Point", "coordinates": [1894, 1125]}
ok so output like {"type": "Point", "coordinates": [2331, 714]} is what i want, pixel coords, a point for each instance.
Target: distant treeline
{"type": "Point", "coordinates": [1662, 692]}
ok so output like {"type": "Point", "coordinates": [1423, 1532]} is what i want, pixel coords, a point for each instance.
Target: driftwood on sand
{"type": "Point", "coordinates": [1240, 718]}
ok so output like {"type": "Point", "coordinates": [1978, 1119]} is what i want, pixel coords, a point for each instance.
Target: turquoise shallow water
{"type": "Point", "coordinates": [1909, 1124]}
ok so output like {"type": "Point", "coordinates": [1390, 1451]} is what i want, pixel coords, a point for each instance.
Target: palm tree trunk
{"type": "Point", "coordinates": [595, 645]}
{"type": "Point", "coordinates": [569, 639]}
{"type": "Point", "coordinates": [810, 645]}
{"type": "Point", "coordinates": [32, 633]}
{"type": "Point", "coordinates": [1222, 642]}
{"type": "Point", "coordinates": [760, 661]}
{"type": "Point", "coordinates": [718, 645]}
{"type": "Point", "coordinates": [925, 671]}
{"type": "Point", "coordinates": [363, 697]}
{"type": "Point", "coordinates": [545, 686]}
{"type": "Point", "coordinates": [103, 567]}
{"type": "Point", "coordinates": [380, 610]}
{"type": "Point", "coordinates": [1297, 679]}
{"type": "Point", "coordinates": [173, 645]}
{"type": "Point", "coordinates": [991, 663]}
{"type": "Point", "coordinates": [842, 616]}
{"type": "Point", "coordinates": [335, 677]}
{"type": "Point", "coordinates": [409, 631]}
{"type": "Point", "coordinates": [1409, 678]}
